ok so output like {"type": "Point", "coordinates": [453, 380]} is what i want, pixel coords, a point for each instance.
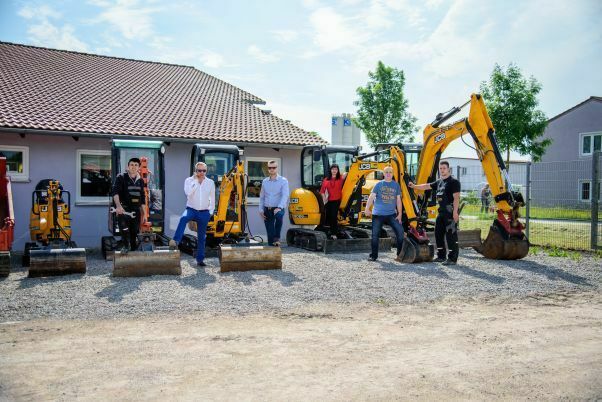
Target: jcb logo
{"type": "Point", "coordinates": [364, 197]}
{"type": "Point", "coordinates": [294, 201]}
{"type": "Point", "coordinates": [365, 166]}
{"type": "Point", "coordinates": [440, 137]}
{"type": "Point", "coordinates": [299, 216]}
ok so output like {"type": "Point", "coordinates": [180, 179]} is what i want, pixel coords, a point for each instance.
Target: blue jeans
{"type": "Point", "coordinates": [273, 224]}
{"type": "Point", "coordinates": [202, 219]}
{"type": "Point", "coordinates": [377, 224]}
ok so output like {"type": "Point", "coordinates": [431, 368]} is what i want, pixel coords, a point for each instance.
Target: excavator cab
{"type": "Point", "coordinates": [153, 256]}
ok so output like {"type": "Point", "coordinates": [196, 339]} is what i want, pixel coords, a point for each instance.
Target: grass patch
{"type": "Point", "coordinates": [538, 213]}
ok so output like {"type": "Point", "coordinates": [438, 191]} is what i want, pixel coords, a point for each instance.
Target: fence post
{"type": "Point", "coordinates": [458, 174]}
{"type": "Point", "coordinates": [528, 199]}
{"type": "Point", "coordinates": [594, 191]}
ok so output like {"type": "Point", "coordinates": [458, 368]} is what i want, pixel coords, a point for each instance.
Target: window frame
{"type": "Point", "coordinates": [591, 144]}
{"type": "Point", "coordinates": [591, 190]}
{"type": "Point", "coordinates": [19, 177]}
{"type": "Point", "coordinates": [255, 200]}
{"type": "Point", "coordinates": [79, 200]}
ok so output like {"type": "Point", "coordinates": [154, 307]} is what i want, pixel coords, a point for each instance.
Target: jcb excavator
{"type": "Point", "coordinates": [52, 252]}
{"type": "Point", "coordinates": [7, 220]}
{"type": "Point", "coordinates": [306, 207]}
{"type": "Point", "coordinates": [237, 249]}
{"type": "Point", "coordinates": [153, 255]}
{"type": "Point", "coordinates": [506, 239]}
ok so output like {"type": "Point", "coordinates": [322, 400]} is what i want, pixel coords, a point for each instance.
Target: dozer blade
{"type": "Point", "coordinates": [414, 252]}
{"type": "Point", "coordinates": [469, 238]}
{"type": "Point", "coordinates": [249, 256]}
{"type": "Point", "coordinates": [57, 261]}
{"type": "Point", "coordinates": [161, 261]}
{"type": "Point", "coordinates": [498, 246]}
{"type": "Point", "coordinates": [4, 263]}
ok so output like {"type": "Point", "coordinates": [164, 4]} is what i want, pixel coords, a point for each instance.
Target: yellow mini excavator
{"type": "Point", "coordinates": [506, 239]}
{"type": "Point", "coordinates": [306, 208]}
{"type": "Point", "coordinates": [52, 252]}
{"type": "Point", "coordinates": [226, 231]}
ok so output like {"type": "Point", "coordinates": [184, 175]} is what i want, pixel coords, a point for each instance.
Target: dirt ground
{"type": "Point", "coordinates": [544, 347]}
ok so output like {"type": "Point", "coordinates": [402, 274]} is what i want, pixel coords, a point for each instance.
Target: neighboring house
{"type": "Point", "coordinates": [60, 109]}
{"type": "Point", "coordinates": [563, 176]}
{"type": "Point", "coordinates": [472, 176]}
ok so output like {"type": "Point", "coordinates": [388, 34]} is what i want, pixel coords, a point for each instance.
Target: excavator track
{"type": "Point", "coordinates": [357, 240]}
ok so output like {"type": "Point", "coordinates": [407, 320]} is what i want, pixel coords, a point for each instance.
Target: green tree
{"type": "Point", "coordinates": [382, 107]}
{"type": "Point", "coordinates": [511, 102]}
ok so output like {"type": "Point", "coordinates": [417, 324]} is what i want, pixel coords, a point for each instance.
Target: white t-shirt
{"type": "Point", "coordinates": [200, 195]}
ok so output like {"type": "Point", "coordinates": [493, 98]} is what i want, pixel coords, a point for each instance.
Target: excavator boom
{"type": "Point", "coordinates": [506, 239]}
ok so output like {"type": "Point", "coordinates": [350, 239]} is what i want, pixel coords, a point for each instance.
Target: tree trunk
{"type": "Point", "coordinates": [508, 159]}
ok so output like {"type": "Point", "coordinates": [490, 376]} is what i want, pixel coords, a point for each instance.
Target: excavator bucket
{"type": "Point", "coordinates": [56, 261]}
{"type": "Point", "coordinates": [249, 256]}
{"type": "Point", "coordinates": [414, 252]}
{"type": "Point", "coordinates": [499, 246]}
{"type": "Point", "coordinates": [160, 261]}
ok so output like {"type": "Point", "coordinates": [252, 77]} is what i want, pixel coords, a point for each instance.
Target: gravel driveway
{"type": "Point", "coordinates": [306, 278]}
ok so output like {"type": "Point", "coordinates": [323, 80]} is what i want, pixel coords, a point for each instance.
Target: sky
{"type": "Point", "coordinates": [306, 58]}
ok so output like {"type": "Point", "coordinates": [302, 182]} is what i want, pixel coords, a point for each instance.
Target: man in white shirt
{"type": "Point", "coordinates": [200, 203]}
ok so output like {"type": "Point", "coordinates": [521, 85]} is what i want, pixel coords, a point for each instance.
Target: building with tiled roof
{"type": "Point", "coordinates": [59, 111]}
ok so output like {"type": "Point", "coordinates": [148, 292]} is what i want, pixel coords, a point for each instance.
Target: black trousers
{"type": "Point", "coordinates": [129, 228]}
{"type": "Point", "coordinates": [446, 229]}
{"type": "Point", "coordinates": [332, 211]}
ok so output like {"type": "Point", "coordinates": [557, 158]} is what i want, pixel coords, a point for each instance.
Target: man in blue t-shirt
{"type": "Point", "coordinates": [386, 197]}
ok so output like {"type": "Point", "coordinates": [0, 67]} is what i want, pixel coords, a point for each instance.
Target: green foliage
{"type": "Point", "coordinates": [512, 102]}
{"type": "Point", "coordinates": [383, 109]}
{"type": "Point", "coordinates": [557, 252]}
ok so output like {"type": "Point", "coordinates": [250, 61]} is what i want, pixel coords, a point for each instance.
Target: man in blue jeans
{"type": "Point", "coordinates": [386, 197]}
{"type": "Point", "coordinates": [273, 198]}
{"type": "Point", "coordinates": [200, 203]}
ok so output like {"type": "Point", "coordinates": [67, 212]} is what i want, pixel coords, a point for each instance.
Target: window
{"type": "Point", "coordinates": [93, 177]}
{"type": "Point", "coordinates": [257, 169]}
{"type": "Point", "coordinates": [585, 190]}
{"type": "Point", "coordinates": [17, 162]}
{"type": "Point", "coordinates": [591, 142]}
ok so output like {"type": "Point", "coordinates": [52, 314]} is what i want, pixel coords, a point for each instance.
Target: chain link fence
{"type": "Point", "coordinates": [562, 209]}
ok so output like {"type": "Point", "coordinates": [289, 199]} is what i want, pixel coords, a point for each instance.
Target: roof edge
{"type": "Point", "coordinates": [596, 98]}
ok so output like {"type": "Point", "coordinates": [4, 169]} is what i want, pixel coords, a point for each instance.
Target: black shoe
{"type": "Point", "coordinates": [124, 250]}
{"type": "Point", "coordinates": [449, 262]}
{"type": "Point", "coordinates": [439, 259]}
{"type": "Point", "coordinates": [201, 264]}
{"type": "Point", "coordinates": [370, 258]}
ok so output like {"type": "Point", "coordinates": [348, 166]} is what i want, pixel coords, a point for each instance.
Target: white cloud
{"type": "Point", "coordinates": [42, 32]}
{"type": "Point", "coordinates": [261, 56]}
{"type": "Point", "coordinates": [333, 32]}
{"type": "Point", "coordinates": [132, 21]}
{"type": "Point", "coordinates": [378, 16]}
{"type": "Point", "coordinates": [285, 35]}
{"type": "Point", "coordinates": [212, 59]}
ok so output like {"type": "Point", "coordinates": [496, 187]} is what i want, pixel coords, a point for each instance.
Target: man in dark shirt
{"type": "Point", "coordinates": [128, 195]}
{"type": "Point", "coordinates": [446, 226]}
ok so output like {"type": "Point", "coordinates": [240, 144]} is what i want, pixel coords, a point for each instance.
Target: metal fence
{"type": "Point", "coordinates": [561, 210]}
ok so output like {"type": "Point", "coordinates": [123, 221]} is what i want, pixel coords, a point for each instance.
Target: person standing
{"type": "Point", "coordinates": [446, 225]}
{"type": "Point", "coordinates": [273, 199]}
{"type": "Point", "coordinates": [485, 194]}
{"type": "Point", "coordinates": [331, 190]}
{"type": "Point", "coordinates": [386, 197]}
{"type": "Point", "coordinates": [130, 204]}
{"type": "Point", "coordinates": [200, 204]}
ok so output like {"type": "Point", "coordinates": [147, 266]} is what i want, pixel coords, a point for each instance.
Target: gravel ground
{"type": "Point", "coordinates": [306, 278]}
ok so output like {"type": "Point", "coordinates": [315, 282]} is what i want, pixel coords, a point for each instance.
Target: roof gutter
{"type": "Point", "coordinates": [109, 137]}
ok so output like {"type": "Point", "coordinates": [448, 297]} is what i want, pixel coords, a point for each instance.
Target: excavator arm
{"type": "Point", "coordinates": [231, 182]}
{"type": "Point", "coordinates": [510, 242]}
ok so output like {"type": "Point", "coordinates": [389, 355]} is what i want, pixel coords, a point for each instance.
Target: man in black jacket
{"type": "Point", "coordinates": [128, 196]}
{"type": "Point", "coordinates": [446, 226]}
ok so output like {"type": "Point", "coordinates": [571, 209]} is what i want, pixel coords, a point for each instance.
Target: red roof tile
{"type": "Point", "coordinates": [69, 91]}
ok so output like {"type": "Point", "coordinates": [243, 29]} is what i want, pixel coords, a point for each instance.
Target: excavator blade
{"type": "Point", "coordinates": [249, 256]}
{"type": "Point", "coordinates": [499, 246]}
{"type": "Point", "coordinates": [4, 263]}
{"type": "Point", "coordinates": [413, 252]}
{"type": "Point", "coordinates": [160, 261]}
{"type": "Point", "coordinates": [56, 261]}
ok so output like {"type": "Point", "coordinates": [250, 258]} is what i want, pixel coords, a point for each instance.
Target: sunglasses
{"type": "Point", "coordinates": [201, 170]}
{"type": "Point", "coordinates": [388, 172]}
{"type": "Point", "coordinates": [272, 167]}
